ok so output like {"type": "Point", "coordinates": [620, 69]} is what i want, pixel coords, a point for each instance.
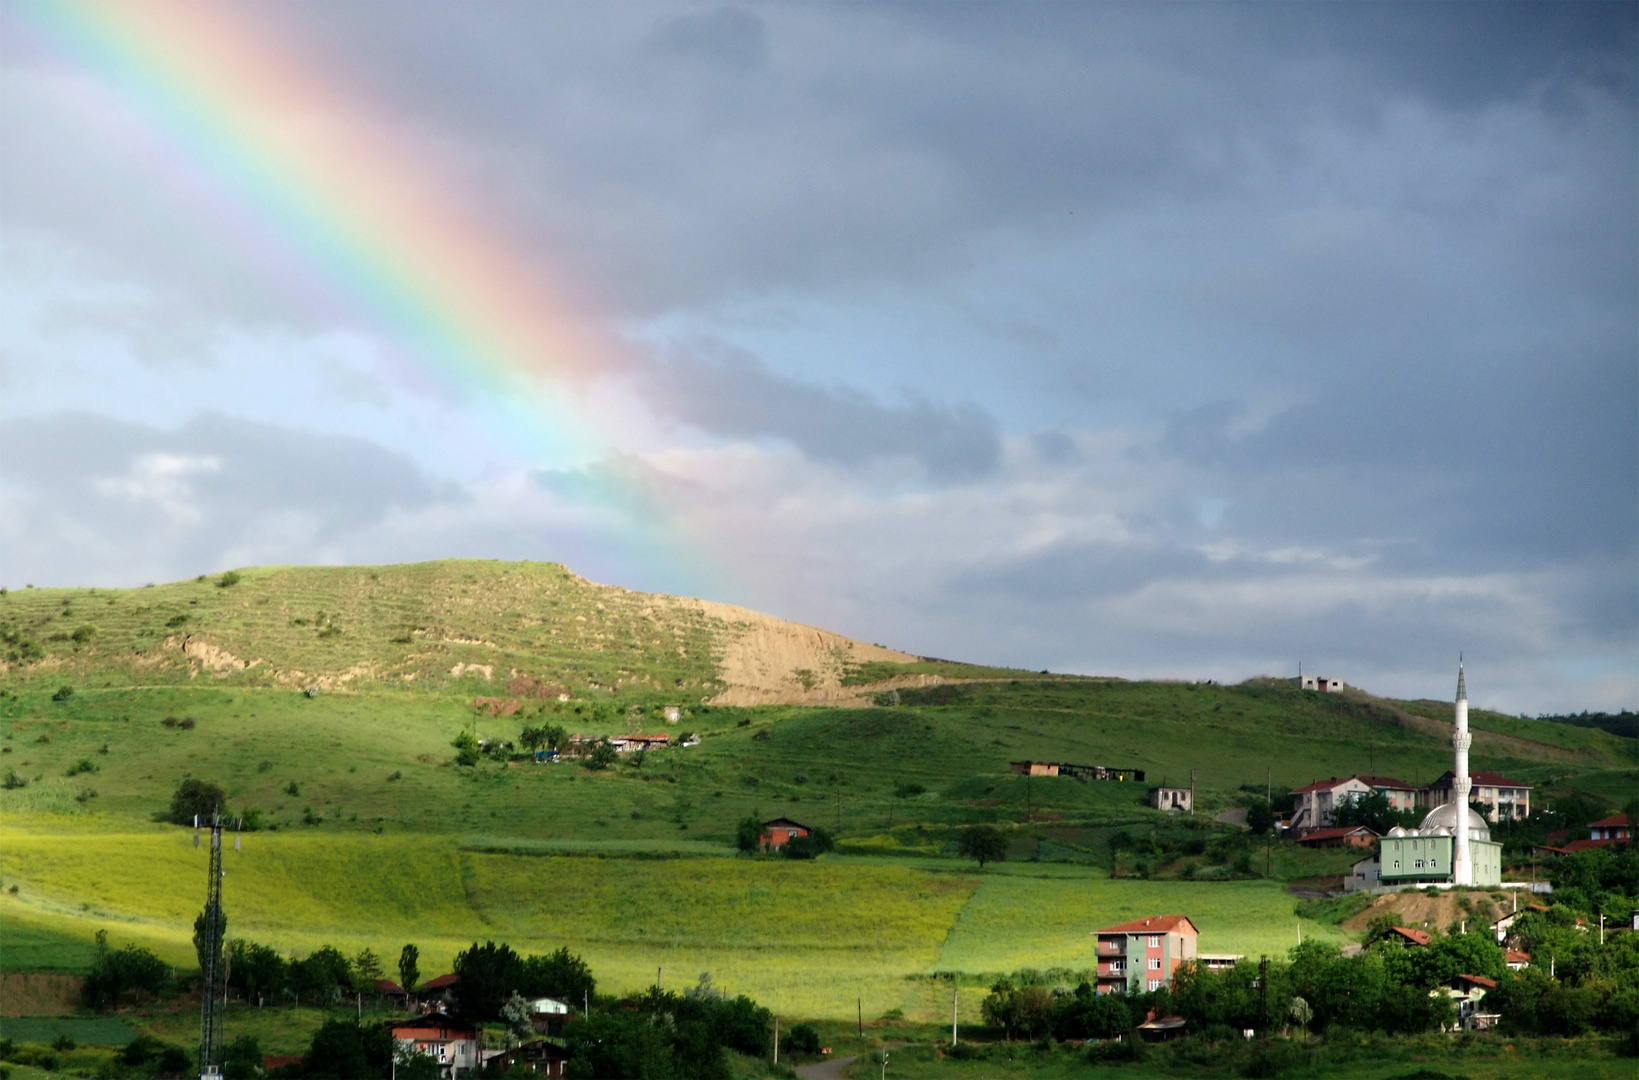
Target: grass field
{"type": "Point", "coordinates": [808, 938]}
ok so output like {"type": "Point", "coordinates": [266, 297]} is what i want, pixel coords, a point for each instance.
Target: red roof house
{"type": "Point", "coordinates": [781, 831]}
{"type": "Point", "coordinates": [1143, 954]}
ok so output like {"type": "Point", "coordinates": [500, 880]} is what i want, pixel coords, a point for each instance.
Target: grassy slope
{"type": "Point", "coordinates": [542, 855]}
{"type": "Point", "coordinates": [398, 625]}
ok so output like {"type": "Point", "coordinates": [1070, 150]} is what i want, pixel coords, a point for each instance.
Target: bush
{"type": "Point", "coordinates": [803, 1039]}
{"type": "Point", "coordinates": [63, 693]}
{"type": "Point", "coordinates": [1118, 1052]}
{"type": "Point", "coordinates": [118, 972]}
{"type": "Point", "coordinates": [242, 1060]}
{"type": "Point", "coordinates": [228, 580]}
{"type": "Point", "coordinates": [466, 749]}
{"type": "Point", "coordinates": [817, 842]}
{"type": "Point", "coordinates": [196, 799]}
{"type": "Point", "coordinates": [83, 634]}
{"type": "Point", "coordinates": [748, 835]}
{"type": "Point", "coordinates": [603, 755]}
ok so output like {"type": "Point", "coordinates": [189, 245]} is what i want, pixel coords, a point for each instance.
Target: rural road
{"type": "Point", "coordinates": [835, 1067]}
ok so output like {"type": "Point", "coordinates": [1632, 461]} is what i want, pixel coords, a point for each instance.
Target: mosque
{"type": "Point", "coordinates": [1440, 851]}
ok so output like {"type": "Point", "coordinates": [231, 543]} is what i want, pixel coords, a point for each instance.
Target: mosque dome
{"type": "Point", "coordinates": [1443, 819]}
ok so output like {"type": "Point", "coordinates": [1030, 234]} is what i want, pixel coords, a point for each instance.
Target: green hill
{"type": "Point", "coordinates": [372, 835]}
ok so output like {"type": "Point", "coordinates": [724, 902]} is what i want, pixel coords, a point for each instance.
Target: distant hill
{"type": "Point", "coordinates": [525, 630]}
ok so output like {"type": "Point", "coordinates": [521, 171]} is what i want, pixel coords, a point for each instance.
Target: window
{"type": "Point", "coordinates": [1155, 963]}
{"type": "Point", "coordinates": [1118, 966]}
{"type": "Point", "coordinates": [1397, 864]}
{"type": "Point", "coordinates": [1418, 864]}
{"type": "Point", "coordinates": [1155, 984]}
{"type": "Point", "coordinates": [1155, 941]}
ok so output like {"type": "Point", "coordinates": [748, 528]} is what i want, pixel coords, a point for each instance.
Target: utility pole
{"type": "Point", "coordinates": [884, 1063]}
{"type": "Point", "coordinates": [776, 1040]}
{"type": "Point", "coordinates": [1027, 796]}
{"type": "Point", "coordinates": [859, 1006]}
{"type": "Point", "coordinates": [955, 994]}
{"type": "Point", "coordinates": [1192, 793]}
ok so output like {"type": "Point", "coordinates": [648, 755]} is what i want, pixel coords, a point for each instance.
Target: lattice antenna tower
{"type": "Point", "coordinates": [213, 975]}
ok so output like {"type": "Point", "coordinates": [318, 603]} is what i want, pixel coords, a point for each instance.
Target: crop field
{"type": "Point", "coordinates": [808, 938]}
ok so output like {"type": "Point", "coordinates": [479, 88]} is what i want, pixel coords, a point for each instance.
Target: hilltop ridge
{"type": "Point", "coordinates": [519, 629]}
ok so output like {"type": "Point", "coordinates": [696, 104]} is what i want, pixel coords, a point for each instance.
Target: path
{"type": "Point", "coordinates": [833, 1068]}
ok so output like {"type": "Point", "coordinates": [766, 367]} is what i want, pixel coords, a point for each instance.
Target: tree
{"type": "Point", "coordinates": [986, 843]}
{"type": "Point", "coordinates": [1260, 818]}
{"type": "Point", "coordinates": [561, 975]}
{"type": "Point", "coordinates": [344, 1050]}
{"type": "Point", "coordinates": [196, 798]}
{"type": "Point", "coordinates": [603, 755]}
{"type": "Point", "coordinates": [201, 946]}
{"type": "Point", "coordinates": [486, 975]}
{"type": "Point", "coordinates": [366, 970]}
{"type": "Point", "coordinates": [748, 835]}
{"type": "Point", "coordinates": [409, 973]}
{"type": "Point", "coordinates": [256, 970]}
{"type": "Point", "coordinates": [117, 972]}
{"type": "Point", "coordinates": [322, 977]}
{"type": "Point", "coordinates": [1374, 812]}
{"type": "Point", "coordinates": [466, 749]}
{"type": "Point", "coordinates": [515, 1013]}
{"type": "Point", "coordinates": [242, 1059]}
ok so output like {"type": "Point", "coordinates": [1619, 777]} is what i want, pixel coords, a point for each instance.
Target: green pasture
{"type": "Point", "coordinates": [378, 759]}
{"type": "Point", "coordinates": [84, 1030]}
{"type": "Point", "coordinates": [807, 937]}
{"type": "Point", "coordinates": [26, 947]}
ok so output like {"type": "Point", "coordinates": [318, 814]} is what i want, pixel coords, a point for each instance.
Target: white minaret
{"type": "Point", "coordinates": [1462, 866]}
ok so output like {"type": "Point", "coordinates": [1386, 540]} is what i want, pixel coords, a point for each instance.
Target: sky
{"type": "Point", "coordinates": [1181, 341]}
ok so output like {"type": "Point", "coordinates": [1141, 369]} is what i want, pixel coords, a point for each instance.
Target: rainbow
{"type": "Point", "coordinates": [350, 218]}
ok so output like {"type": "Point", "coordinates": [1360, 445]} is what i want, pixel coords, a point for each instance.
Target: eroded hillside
{"type": "Point", "coordinates": [518, 630]}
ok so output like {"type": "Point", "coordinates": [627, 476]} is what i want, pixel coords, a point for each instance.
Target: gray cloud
{"type": "Point", "coordinates": [735, 395]}
{"type": "Point", "coordinates": [87, 496]}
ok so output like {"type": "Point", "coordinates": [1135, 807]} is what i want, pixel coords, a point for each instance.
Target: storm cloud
{"type": "Point", "coordinates": [1142, 339]}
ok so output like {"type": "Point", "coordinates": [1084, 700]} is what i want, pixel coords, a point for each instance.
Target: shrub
{"type": "Point", "coordinates": [81, 766]}
{"type": "Point", "coordinates": [63, 693]}
{"type": "Point", "coordinates": [228, 580]}
{"type": "Point", "coordinates": [603, 755]}
{"type": "Point", "coordinates": [83, 634]}
{"type": "Point", "coordinates": [803, 1039]}
{"type": "Point", "coordinates": [466, 749]}
{"type": "Point", "coordinates": [817, 842]}
{"type": "Point", "coordinates": [748, 835]}
{"type": "Point", "coordinates": [13, 781]}
{"type": "Point", "coordinates": [117, 972]}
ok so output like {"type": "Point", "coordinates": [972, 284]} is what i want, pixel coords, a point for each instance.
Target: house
{"type": "Point", "coordinates": [1341, 836]}
{"type": "Point", "coordinates": [1503, 798]}
{"type": "Point", "coordinates": [626, 744]}
{"type": "Point", "coordinates": [1325, 684]}
{"type": "Point", "coordinates": [453, 1043]}
{"type": "Point", "coordinates": [1608, 830]}
{"type": "Point", "coordinates": [1505, 925]}
{"type": "Point", "coordinates": [388, 990]}
{"type": "Point", "coordinates": [780, 831]}
{"type": "Point", "coordinates": [1143, 955]}
{"type": "Point", "coordinates": [439, 991]}
{"type": "Point", "coordinates": [1314, 803]}
{"type": "Point", "coordinates": [1516, 960]}
{"type": "Point", "coordinates": [1161, 1028]}
{"type": "Point", "coordinates": [548, 1015]}
{"type": "Point", "coordinates": [1365, 874]}
{"type": "Point", "coordinates": [1219, 961]}
{"type": "Point", "coordinates": [1173, 798]}
{"type": "Point", "coordinates": [1079, 772]}
{"type": "Point", "coordinates": [1411, 938]}
{"type": "Point", "coordinates": [1467, 991]}
{"type": "Point", "coordinates": [545, 1058]}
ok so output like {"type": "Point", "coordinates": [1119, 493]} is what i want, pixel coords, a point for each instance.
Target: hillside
{"type": "Point", "coordinates": [525, 630]}
{"type": "Point", "coordinates": [373, 834]}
